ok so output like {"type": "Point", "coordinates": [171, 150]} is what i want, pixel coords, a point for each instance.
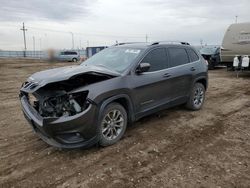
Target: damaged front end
{"type": "Point", "coordinates": [58, 114]}
{"type": "Point", "coordinates": [59, 103]}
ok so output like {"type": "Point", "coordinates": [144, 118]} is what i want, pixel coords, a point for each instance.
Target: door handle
{"type": "Point", "coordinates": [192, 69]}
{"type": "Point", "coordinates": [166, 75]}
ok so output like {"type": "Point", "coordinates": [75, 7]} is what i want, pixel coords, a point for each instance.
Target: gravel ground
{"type": "Point", "coordinates": [173, 148]}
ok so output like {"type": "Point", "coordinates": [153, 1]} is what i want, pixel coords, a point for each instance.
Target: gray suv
{"type": "Point", "coordinates": [68, 56]}
{"type": "Point", "coordinates": [82, 105]}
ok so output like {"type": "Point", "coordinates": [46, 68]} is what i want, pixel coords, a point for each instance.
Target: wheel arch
{"type": "Point", "coordinates": [123, 100]}
{"type": "Point", "coordinates": [203, 81]}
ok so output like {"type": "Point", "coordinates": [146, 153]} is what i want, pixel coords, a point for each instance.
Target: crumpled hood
{"type": "Point", "coordinates": [64, 73]}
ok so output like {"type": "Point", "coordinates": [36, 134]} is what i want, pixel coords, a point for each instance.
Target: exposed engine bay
{"type": "Point", "coordinates": [60, 104]}
{"type": "Point", "coordinates": [56, 99]}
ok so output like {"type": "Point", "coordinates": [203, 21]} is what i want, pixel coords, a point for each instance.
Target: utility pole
{"type": "Point", "coordinates": [45, 41]}
{"type": "Point", "coordinates": [34, 48]}
{"type": "Point", "coordinates": [40, 53]}
{"type": "Point", "coordinates": [201, 42]}
{"type": "Point", "coordinates": [146, 38]}
{"type": "Point", "coordinates": [72, 35]}
{"type": "Point", "coordinates": [236, 19]}
{"type": "Point", "coordinates": [24, 39]}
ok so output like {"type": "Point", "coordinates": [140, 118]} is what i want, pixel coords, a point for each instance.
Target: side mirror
{"type": "Point", "coordinates": [143, 67]}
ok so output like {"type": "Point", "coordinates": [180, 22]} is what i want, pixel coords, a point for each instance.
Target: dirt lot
{"type": "Point", "coordinates": [173, 148]}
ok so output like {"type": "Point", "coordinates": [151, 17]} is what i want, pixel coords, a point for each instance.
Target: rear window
{"type": "Point", "coordinates": [192, 55]}
{"type": "Point", "coordinates": [70, 53]}
{"type": "Point", "coordinates": [177, 56]}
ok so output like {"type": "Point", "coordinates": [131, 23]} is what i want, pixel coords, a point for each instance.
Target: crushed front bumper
{"type": "Point", "coordinates": [63, 132]}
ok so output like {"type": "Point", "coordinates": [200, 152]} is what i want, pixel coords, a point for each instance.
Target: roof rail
{"type": "Point", "coordinates": [170, 42]}
{"type": "Point", "coordinates": [123, 43]}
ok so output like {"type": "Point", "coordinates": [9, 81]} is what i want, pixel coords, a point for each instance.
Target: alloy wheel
{"type": "Point", "coordinates": [198, 96]}
{"type": "Point", "coordinates": [112, 124]}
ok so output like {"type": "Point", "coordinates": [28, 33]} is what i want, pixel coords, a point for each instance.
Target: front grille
{"type": "Point", "coordinates": [30, 85]}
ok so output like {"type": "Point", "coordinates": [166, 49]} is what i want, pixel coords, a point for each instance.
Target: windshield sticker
{"type": "Point", "coordinates": [133, 51]}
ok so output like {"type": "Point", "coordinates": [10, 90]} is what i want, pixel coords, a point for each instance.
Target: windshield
{"type": "Point", "coordinates": [116, 59]}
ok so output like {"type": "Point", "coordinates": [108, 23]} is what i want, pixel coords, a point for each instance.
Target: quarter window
{"type": "Point", "coordinates": [192, 55]}
{"type": "Point", "coordinates": [177, 56]}
{"type": "Point", "coordinates": [157, 59]}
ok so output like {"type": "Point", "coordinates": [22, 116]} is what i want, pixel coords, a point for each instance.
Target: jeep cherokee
{"type": "Point", "coordinates": [82, 105]}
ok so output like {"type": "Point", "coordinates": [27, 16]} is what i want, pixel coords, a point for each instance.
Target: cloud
{"type": "Point", "coordinates": [102, 22]}
{"type": "Point", "coordinates": [212, 9]}
{"type": "Point", "coordinates": [63, 10]}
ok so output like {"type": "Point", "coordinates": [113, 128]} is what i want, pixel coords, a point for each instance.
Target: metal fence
{"type": "Point", "coordinates": [16, 54]}
{"type": "Point", "coordinates": [32, 54]}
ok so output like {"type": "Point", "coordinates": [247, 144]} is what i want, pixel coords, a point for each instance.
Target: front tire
{"type": "Point", "coordinates": [211, 65]}
{"type": "Point", "coordinates": [74, 60]}
{"type": "Point", "coordinates": [197, 97]}
{"type": "Point", "coordinates": [112, 125]}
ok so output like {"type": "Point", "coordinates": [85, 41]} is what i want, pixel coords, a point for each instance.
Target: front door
{"type": "Point", "coordinates": [150, 88]}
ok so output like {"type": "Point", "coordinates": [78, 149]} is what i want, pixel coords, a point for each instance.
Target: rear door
{"type": "Point", "coordinates": [68, 56]}
{"type": "Point", "coordinates": [181, 70]}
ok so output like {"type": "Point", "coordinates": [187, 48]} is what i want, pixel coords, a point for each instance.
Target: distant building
{"type": "Point", "coordinates": [90, 51]}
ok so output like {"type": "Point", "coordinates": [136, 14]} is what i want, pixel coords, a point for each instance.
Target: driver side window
{"type": "Point", "coordinates": [157, 59]}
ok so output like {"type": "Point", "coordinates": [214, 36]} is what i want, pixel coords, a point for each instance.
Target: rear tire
{"type": "Point", "coordinates": [197, 97]}
{"type": "Point", "coordinates": [112, 125]}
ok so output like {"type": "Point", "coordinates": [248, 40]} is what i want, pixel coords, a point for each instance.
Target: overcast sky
{"type": "Point", "coordinates": [102, 22]}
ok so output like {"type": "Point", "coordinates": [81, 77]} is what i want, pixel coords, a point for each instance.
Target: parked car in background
{"type": "Point", "coordinates": [81, 105]}
{"type": "Point", "coordinates": [68, 56]}
{"type": "Point", "coordinates": [212, 55]}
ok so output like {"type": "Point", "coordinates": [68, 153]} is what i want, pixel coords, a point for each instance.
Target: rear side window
{"type": "Point", "coordinates": [70, 53]}
{"type": "Point", "coordinates": [157, 59]}
{"type": "Point", "coordinates": [177, 56]}
{"type": "Point", "coordinates": [192, 55]}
